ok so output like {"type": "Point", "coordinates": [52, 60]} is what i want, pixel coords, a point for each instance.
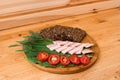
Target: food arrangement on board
{"type": "Point", "coordinates": [60, 49]}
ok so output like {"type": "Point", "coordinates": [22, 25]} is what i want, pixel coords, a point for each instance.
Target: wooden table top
{"type": "Point", "coordinates": [104, 27]}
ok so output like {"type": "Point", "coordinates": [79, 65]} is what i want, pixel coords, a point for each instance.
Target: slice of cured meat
{"type": "Point", "coordinates": [53, 46]}
{"type": "Point", "coordinates": [70, 47]}
{"type": "Point", "coordinates": [86, 51]}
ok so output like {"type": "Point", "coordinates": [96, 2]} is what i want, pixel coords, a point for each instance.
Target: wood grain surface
{"type": "Point", "coordinates": [73, 2]}
{"type": "Point", "coordinates": [22, 6]}
{"type": "Point", "coordinates": [104, 27]}
{"type": "Point", "coordinates": [38, 11]}
{"type": "Point", "coordinates": [14, 7]}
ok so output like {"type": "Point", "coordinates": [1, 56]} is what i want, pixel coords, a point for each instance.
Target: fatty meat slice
{"type": "Point", "coordinates": [61, 48]}
{"type": "Point", "coordinates": [80, 49]}
{"type": "Point", "coordinates": [86, 51]}
{"type": "Point", "coordinates": [76, 50]}
{"type": "Point", "coordinates": [69, 44]}
{"type": "Point", "coordinates": [87, 45]}
{"type": "Point", "coordinates": [61, 43]}
{"type": "Point", "coordinates": [76, 44]}
{"type": "Point", "coordinates": [53, 46]}
{"type": "Point", "coordinates": [67, 49]}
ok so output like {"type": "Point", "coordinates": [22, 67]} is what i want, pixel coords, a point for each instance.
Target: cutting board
{"type": "Point", "coordinates": [75, 69]}
{"type": "Point", "coordinates": [103, 27]}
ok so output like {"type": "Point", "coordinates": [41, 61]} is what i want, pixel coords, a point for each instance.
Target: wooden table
{"type": "Point", "coordinates": [103, 26]}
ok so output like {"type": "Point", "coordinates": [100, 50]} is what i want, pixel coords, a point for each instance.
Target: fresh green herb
{"type": "Point", "coordinates": [89, 55]}
{"type": "Point", "coordinates": [15, 45]}
{"type": "Point", "coordinates": [19, 50]}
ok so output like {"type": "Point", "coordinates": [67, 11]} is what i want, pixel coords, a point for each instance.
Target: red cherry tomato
{"type": "Point", "coordinates": [64, 60]}
{"type": "Point", "coordinates": [85, 60]}
{"type": "Point", "coordinates": [54, 59]}
{"type": "Point", "coordinates": [74, 59]}
{"type": "Point", "coordinates": [43, 56]}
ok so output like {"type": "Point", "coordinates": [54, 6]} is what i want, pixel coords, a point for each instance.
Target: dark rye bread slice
{"type": "Point", "coordinates": [63, 33]}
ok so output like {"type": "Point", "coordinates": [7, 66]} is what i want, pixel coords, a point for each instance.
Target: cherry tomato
{"type": "Point", "coordinates": [43, 56]}
{"type": "Point", "coordinates": [74, 59]}
{"type": "Point", "coordinates": [84, 60]}
{"type": "Point", "coordinates": [64, 60]}
{"type": "Point", "coordinates": [54, 59]}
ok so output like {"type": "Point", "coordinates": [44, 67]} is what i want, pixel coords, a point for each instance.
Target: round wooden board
{"type": "Point", "coordinates": [75, 69]}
